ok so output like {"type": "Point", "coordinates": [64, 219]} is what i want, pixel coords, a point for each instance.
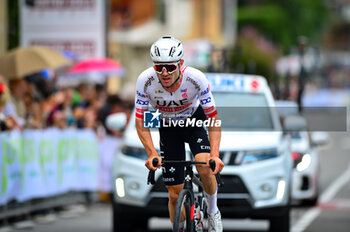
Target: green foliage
{"type": "Point", "coordinates": [281, 22]}
{"type": "Point", "coordinates": [246, 54]}
{"type": "Point", "coordinates": [284, 21]}
{"type": "Point", "coordinates": [13, 24]}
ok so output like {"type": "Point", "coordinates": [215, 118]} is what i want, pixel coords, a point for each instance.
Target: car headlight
{"type": "Point", "coordinates": [304, 163]}
{"type": "Point", "coordinates": [119, 187]}
{"type": "Point", "coordinates": [255, 156]}
{"type": "Point", "coordinates": [135, 152]}
{"type": "Point", "coordinates": [301, 161]}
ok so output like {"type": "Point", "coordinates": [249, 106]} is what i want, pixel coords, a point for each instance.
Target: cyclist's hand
{"type": "Point", "coordinates": [149, 164]}
{"type": "Point", "coordinates": [219, 164]}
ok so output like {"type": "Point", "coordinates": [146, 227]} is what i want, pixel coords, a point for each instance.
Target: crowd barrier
{"type": "Point", "coordinates": [47, 163]}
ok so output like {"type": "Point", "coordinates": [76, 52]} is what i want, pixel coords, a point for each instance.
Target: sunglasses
{"type": "Point", "coordinates": [169, 67]}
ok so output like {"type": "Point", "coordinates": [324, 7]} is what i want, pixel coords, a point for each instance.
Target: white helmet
{"type": "Point", "coordinates": [166, 49]}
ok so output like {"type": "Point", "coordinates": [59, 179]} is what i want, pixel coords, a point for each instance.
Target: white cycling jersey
{"type": "Point", "coordinates": [182, 103]}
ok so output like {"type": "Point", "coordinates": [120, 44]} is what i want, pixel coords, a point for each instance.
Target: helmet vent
{"type": "Point", "coordinates": [166, 49]}
{"type": "Point", "coordinates": [156, 51]}
{"type": "Point", "coordinates": [172, 51]}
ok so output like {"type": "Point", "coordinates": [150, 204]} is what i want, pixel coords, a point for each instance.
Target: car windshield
{"type": "Point", "coordinates": [243, 111]}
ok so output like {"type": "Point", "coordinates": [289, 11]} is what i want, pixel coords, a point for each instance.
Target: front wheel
{"type": "Point", "coordinates": [184, 205]}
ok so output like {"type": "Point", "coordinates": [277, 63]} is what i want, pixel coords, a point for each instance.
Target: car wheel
{"type": "Point", "coordinates": [281, 222]}
{"type": "Point", "coordinates": [122, 221]}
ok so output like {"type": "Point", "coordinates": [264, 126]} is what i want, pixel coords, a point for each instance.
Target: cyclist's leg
{"type": "Point", "coordinates": [200, 147]}
{"type": "Point", "coordinates": [206, 174]}
{"type": "Point", "coordinates": [174, 191]}
{"type": "Point", "coordinates": [172, 148]}
{"type": "Point", "coordinates": [208, 179]}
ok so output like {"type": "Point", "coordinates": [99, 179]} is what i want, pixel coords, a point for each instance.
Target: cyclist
{"type": "Point", "coordinates": [180, 93]}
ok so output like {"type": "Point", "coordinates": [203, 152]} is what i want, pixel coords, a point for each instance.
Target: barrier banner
{"type": "Point", "coordinates": [67, 160]}
{"type": "Point", "coordinates": [108, 147]}
{"type": "Point", "coordinates": [87, 161]}
{"type": "Point", "coordinates": [11, 151]}
{"type": "Point", "coordinates": [43, 163]}
{"type": "Point", "coordinates": [48, 160]}
{"type": "Point", "coordinates": [32, 183]}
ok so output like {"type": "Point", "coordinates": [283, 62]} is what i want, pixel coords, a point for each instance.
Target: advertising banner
{"type": "Point", "coordinates": [11, 152]}
{"type": "Point", "coordinates": [32, 183]}
{"type": "Point", "coordinates": [44, 163]}
{"type": "Point", "coordinates": [76, 26]}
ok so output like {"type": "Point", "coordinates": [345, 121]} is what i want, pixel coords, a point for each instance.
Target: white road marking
{"type": "Point", "coordinates": [326, 196]}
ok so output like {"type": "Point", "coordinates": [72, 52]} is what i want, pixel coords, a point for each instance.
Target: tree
{"type": "Point", "coordinates": [284, 21]}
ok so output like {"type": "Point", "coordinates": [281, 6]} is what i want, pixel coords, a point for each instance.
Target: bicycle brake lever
{"type": "Point", "coordinates": [219, 180]}
{"type": "Point", "coordinates": [217, 175]}
{"type": "Point", "coordinates": [150, 179]}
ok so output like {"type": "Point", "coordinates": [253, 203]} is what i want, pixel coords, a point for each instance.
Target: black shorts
{"type": "Point", "coordinates": [172, 147]}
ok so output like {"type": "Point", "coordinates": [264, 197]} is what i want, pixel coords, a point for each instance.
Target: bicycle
{"type": "Point", "coordinates": [195, 205]}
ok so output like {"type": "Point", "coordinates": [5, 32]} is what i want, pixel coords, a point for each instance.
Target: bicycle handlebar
{"type": "Point", "coordinates": [150, 179]}
{"type": "Point", "coordinates": [217, 175]}
{"type": "Point", "coordinates": [151, 174]}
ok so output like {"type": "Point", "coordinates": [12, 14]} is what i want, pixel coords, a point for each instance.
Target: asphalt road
{"type": "Point", "coordinates": [332, 214]}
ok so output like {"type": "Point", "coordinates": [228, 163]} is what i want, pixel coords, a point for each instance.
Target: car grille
{"type": "Point", "coordinates": [233, 184]}
{"type": "Point", "coordinates": [229, 157]}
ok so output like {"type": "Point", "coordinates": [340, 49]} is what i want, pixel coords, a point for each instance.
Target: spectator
{"type": "Point", "coordinates": [108, 145]}
{"type": "Point", "coordinates": [113, 105]}
{"type": "Point", "coordinates": [8, 116]}
{"type": "Point", "coordinates": [52, 104]}
{"type": "Point", "coordinates": [18, 88]}
{"type": "Point", "coordinates": [33, 117]}
{"type": "Point", "coordinates": [59, 120]}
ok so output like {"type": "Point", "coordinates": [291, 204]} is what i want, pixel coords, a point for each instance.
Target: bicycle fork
{"type": "Point", "coordinates": [198, 205]}
{"type": "Point", "coordinates": [198, 218]}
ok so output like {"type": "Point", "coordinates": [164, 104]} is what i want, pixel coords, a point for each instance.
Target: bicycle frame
{"type": "Point", "coordinates": [187, 192]}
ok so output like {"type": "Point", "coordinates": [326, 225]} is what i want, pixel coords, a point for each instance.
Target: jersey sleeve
{"type": "Point", "coordinates": [206, 98]}
{"type": "Point", "coordinates": [141, 98]}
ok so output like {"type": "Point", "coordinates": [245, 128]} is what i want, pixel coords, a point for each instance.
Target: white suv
{"type": "Point", "coordinates": [254, 148]}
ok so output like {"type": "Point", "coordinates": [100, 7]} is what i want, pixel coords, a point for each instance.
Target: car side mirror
{"type": "Point", "coordinates": [116, 121]}
{"type": "Point", "coordinates": [294, 123]}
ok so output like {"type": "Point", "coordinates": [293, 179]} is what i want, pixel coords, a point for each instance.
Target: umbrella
{"type": "Point", "coordinates": [94, 70]}
{"type": "Point", "coordinates": [24, 61]}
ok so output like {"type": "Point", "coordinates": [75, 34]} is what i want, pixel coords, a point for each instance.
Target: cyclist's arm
{"type": "Point", "coordinates": [214, 139]}
{"type": "Point", "coordinates": [141, 104]}
{"type": "Point", "coordinates": [146, 139]}
{"type": "Point", "coordinates": [208, 103]}
{"type": "Point", "coordinates": [214, 136]}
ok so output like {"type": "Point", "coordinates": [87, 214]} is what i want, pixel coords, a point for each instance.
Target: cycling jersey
{"type": "Point", "coordinates": [193, 91]}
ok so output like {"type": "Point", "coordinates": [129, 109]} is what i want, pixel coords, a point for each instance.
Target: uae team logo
{"type": "Point", "coordinates": [151, 119]}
